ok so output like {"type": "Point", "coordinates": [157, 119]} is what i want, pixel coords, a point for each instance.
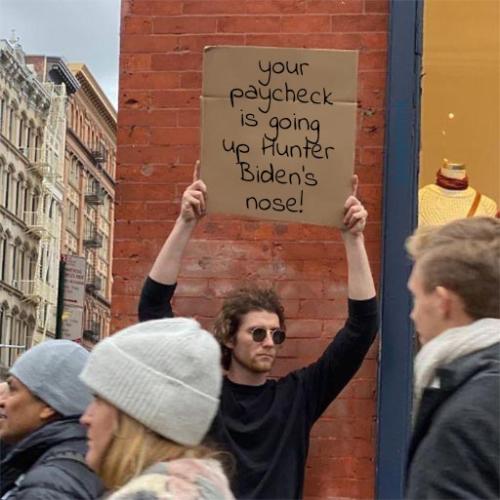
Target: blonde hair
{"type": "Point", "coordinates": [134, 448]}
{"type": "Point", "coordinates": [464, 257]}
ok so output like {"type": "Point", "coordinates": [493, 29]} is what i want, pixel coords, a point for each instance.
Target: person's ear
{"type": "Point", "coordinates": [445, 301]}
{"type": "Point", "coordinates": [230, 343]}
{"type": "Point", "coordinates": [47, 413]}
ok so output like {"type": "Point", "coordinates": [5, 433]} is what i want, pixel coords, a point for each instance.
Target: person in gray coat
{"type": "Point", "coordinates": [39, 421]}
{"type": "Point", "coordinates": [455, 448]}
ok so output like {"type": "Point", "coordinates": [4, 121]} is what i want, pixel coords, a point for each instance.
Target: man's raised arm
{"type": "Point", "coordinates": [326, 377]}
{"type": "Point", "coordinates": [360, 284]}
{"type": "Point", "coordinates": [160, 284]}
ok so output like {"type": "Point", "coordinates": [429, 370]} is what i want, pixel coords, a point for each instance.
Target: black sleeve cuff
{"type": "Point", "coordinates": [155, 299]}
{"type": "Point", "coordinates": [368, 307]}
{"type": "Point", "coordinates": [159, 291]}
{"type": "Point", "coordinates": [363, 316]}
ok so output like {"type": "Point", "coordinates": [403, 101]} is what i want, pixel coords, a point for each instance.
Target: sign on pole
{"type": "Point", "coordinates": [278, 132]}
{"type": "Point", "coordinates": [73, 297]}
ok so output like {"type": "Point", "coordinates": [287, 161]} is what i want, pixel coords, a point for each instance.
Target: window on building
{"type": "Point", "coordinates": [42, 264]}
{"type": "Point", "coordinates": [89, 229]}
{"type": "Point", "coordinates": [105, 208]}
{"type": "Point", "coordinates": [92, 185]}
{"type": "Point", "coordinates": [112, 166]}
{"type": "Point", "coordinates": [3, 330]}
{"type": "Point", "coordinates": [14, 268]}
{"type": "Point", "coordinates": [7, 188]}
{"type": "Point", "coordinates": [33, 261]}
{"type": "Point", "coordinates": [104, 284]}
{"type": "Point", "coordinates": [26, 202]}
{"type": "Point", "coordinates": [46, 200]}
{"type": "Point", "coordinates": [3, 255]}
{"type": "Point", "coordinates": [17, 338]}
{"type": "Point", "coordinates": [2, 113]}
{"type": "Point", "coordinates": [29, 133]}
{"type": "Point", "coordinates": [4, 333]}
{"type": "Point", "coordinates": [21, 266]}
{"type": "Point", "coordinates": [25, 334]}
{"type": "Point", "coordinates": [34, 201]}
{"type": "Point", "coordinates": [38, 142]}
{"type": "Point", "coordinates": [74, 172]}
{"type": "Point", "coordinates": [22, 335]}
{"type": "Point", "coordinates": [13, 339]}
{"type": "Point", "coordinates": [48, 273]}
{"type": "Point", "coordinates": [51, 209]}
{"type": "Point", "coordinates": [21, 132]}
{"type": "Point", "coordinates": [11, 124]}
{"type": "Point", "coordinates": [3, 182]}
{"type": "Point", "coordinates": [14, 184]}
{"type": "Point", "coordinates": [72, 221]}
{"type": "Point", "coordinates": [18, 184]}
{"type": "Point", "coordinates": [71, 244]}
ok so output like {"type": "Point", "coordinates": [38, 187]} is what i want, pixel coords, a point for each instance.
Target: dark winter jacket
{"type": "Point", "coordinates": [49, 464]}
{"type": "Point", "coordinates": [455, 449]}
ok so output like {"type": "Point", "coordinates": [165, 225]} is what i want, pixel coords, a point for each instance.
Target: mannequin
{"type": "Point", "coordinates": [451, 198]}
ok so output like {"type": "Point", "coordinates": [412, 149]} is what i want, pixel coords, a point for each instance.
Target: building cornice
{"type": "Point", "coordinates": [59, 68]}
{"type": "Point", "coordinates": [95, 94]}
{"type": "Point", "coordinates": [22, 77]}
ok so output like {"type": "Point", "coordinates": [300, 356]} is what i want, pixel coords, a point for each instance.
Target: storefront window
{"type": "Point", "coordinates": [460, 135]}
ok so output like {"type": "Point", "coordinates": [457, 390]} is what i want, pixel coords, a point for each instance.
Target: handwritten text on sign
{"type": "Point", "coordinates": [278, 132]}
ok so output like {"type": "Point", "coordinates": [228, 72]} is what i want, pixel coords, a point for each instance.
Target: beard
{"type": "Point", "coordinates": [255, 364]}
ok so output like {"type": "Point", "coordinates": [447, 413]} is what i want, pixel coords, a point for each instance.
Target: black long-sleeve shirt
{"type": "Point", "coordinates": [266, 428]}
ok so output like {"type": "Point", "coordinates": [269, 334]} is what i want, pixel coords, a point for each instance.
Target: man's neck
{"type": "Point", "coordinates": [456, 322]}
{"type": "Point", "coordinates": [240, 375]}
{"type": "Point", "coordinates": [459, 318]}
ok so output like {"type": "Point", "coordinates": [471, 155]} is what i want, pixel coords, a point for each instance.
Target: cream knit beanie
{"type": "Point", "coordinates": [164, 373]}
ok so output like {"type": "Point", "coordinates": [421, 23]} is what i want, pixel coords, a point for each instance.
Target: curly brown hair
{"type": "Point", "coordinates": [239, 303]}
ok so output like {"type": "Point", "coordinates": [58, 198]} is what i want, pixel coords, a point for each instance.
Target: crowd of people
{"type": "Point", "coordinates": [166, 410]}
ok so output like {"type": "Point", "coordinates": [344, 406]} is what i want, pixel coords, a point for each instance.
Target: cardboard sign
{"type": "Point", "coordinates": [278, 132]}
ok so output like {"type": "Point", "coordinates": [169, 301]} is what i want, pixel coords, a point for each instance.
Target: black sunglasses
{"type": "Point", "coordinates": [259, 334]}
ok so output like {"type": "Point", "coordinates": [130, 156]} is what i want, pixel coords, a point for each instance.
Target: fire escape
{"type": "Point", "coordinates": [94, 198]}
{"type": "Point", "coordinates": [43, 217]}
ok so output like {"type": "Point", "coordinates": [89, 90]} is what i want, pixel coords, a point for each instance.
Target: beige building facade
{"type": "Point", "coordinates": [90, 165]}
{"type": "Point", "coordinates": [32, 132]}
{"type": "Point", "coordinates": [57, 190]}
{"type": "Point", "coordinates": [89, 192]}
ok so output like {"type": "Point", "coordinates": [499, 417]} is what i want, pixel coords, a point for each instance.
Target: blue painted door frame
{"type": "Point", "coordinates": [399, 216]}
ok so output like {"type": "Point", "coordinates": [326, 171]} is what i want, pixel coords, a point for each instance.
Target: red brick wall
{"type": "Point", "coordinates": [158, 143]}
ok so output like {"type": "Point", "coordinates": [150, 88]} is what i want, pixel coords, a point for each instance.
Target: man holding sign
{"type": "Point", "coordinates": [265, 424]}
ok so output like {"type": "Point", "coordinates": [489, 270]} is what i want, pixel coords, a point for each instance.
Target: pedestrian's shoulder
{"type": "Point", "coordinates": [476, 403]}
{"type": "Point", "coordinates": [61, 472]}
{"type": "Point", "coordinates": [184, 478]}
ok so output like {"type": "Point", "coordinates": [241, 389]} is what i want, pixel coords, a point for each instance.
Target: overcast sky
{"type": "Point", "coordinates": [84, 31]}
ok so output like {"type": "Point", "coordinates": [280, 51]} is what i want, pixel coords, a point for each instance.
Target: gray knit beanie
{"type": "Point", "coordinates": [51, 370]}
{"type": "Point", "coordinates": [164, 373]}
